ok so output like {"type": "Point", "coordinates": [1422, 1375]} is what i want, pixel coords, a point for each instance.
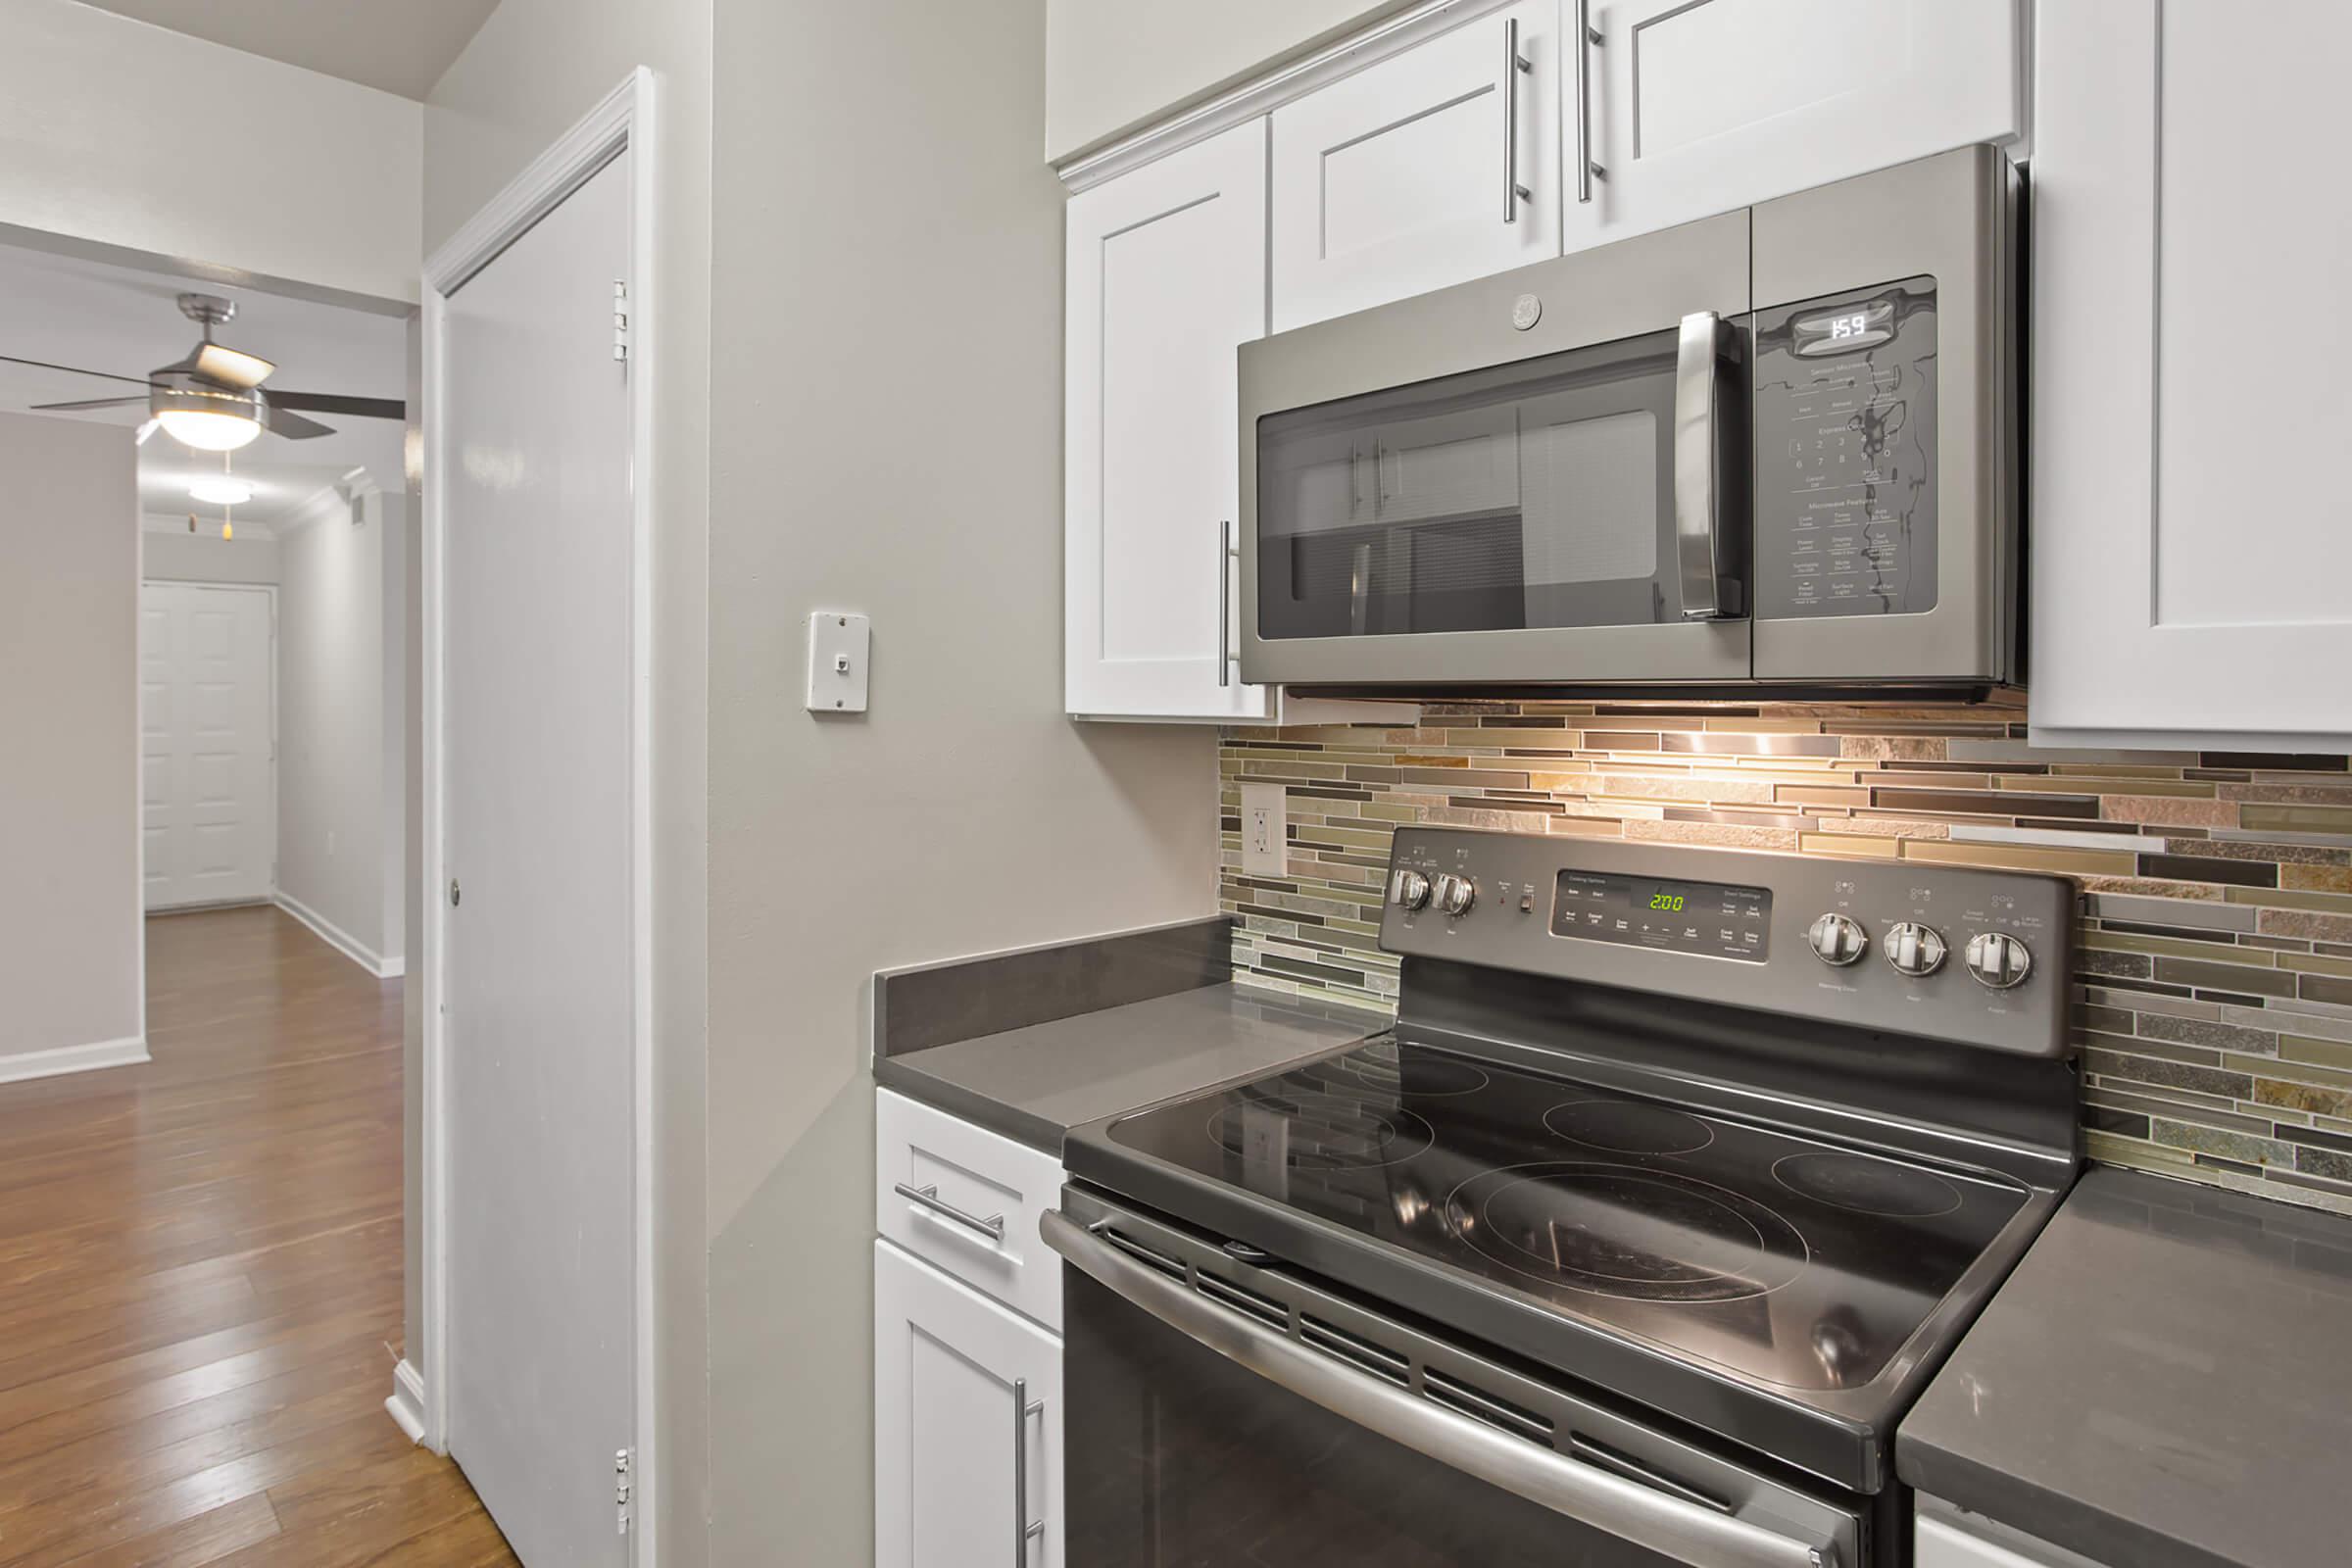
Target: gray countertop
{"type": "Point", "coordinates": [1037, 1082]}
{"type": "Point", "coordinates": [2164, 1381]}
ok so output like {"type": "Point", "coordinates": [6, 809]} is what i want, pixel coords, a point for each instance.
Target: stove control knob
{"type": "Point", "coordinates": [1915, 950]}
{"type": "Point", "coordinates": [1408, 890]}
{"type": "Point", "coordinates": [1455, 893]}
{"type": "Point", "coordinates": [1998, 959]}
{"type": "Point", "coordinates": [1838, 939]}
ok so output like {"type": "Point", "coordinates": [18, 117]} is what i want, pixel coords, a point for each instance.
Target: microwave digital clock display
{"type": "Point", "coordinates": [1711, 919]}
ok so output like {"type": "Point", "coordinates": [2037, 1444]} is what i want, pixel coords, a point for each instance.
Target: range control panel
{"type": "Point", "coordinates": [1979, 957]}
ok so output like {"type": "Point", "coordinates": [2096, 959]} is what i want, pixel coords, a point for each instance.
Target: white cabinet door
{"type": "Point", "coordinates": [208, 743]}
{"type": "Point", "coordinates": [2189, 552]}
{"type": "Point", "coordinates": [958, 1382]}
{"type": "Point", "coordinates": [1407, 176]}
{"type": "Point", "coordinates": [1703, 105]}
{"type": "Point", "coordinates": [1166, 277]}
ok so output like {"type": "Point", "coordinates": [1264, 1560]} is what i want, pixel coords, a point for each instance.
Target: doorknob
{"type": "Point", "coordinates": [453, 892]}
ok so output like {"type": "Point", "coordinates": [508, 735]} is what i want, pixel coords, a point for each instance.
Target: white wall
{"type": "Point", "coordinates": [885, 437]}
{"type": "Point", "coordinates": [126, 134]}
{"type": "Point", "coordinates": [173, 555]}
{"type": "Point", "coordinates": [1112, 65]}
{"type": "Point", "coordinates": [71, 922]}
{"type": "Point", "coordinates": [338, 825]}
{"type": "Point", "coordinates": [536, 66]}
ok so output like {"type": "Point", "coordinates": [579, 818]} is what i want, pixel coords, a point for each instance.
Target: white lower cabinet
{"type": "Point", "coordinates": [968, 1425]}
{"type": "Point", "coordinates": [1945, 1539]}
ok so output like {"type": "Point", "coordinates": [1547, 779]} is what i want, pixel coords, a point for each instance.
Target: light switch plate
{"type": "Point", "coordinates": [840, 643]}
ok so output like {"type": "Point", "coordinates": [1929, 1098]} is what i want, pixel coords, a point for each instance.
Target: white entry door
{"type": "Point", "coordinates": [540, 935]}
{"type": "Point", "coordinates": [208, 743]}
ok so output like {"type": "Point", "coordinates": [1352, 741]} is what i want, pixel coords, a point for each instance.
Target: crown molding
{"type": "Point", "coordinates": [1270, 90]}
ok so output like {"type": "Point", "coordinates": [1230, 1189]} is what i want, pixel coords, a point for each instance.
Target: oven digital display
{"type": "Point", "coordinates": [1709, 919]}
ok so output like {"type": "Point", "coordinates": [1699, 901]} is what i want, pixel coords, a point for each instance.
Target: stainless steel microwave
{"type": "Point", "coordinates": [1769, 448]}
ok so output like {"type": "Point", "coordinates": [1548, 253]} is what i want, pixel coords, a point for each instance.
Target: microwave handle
{"type": "Point", "coordinates": [1671, 1525]}
{"type": "Point", "coordinates": [1709, 592]}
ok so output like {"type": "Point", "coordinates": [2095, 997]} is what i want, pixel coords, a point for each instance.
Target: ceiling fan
{"type": "Point", "coordinates": [214, 400]}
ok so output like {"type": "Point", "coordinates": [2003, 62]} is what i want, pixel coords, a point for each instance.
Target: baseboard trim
{"type": "Point", "coordinates": [342, 941]}
{"type": "Point", "coordinates": [406, 1405]}
{"type": "Point", "coordinates": [89, 1057]}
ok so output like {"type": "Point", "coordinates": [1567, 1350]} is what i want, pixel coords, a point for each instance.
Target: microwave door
{"type": "Point", "coordinates": [1510, 520]}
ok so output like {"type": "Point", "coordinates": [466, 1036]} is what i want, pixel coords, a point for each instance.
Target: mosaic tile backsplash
{"type": "Point", "coordinates": [2213, 992]}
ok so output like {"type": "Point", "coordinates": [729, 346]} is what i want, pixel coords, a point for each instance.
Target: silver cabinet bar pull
{"type": "Point", "coordinates": [1513, 63]}
{"type": "Point", "coordinates": [1024, 1528]}
{"type": "Point", "coordinates": [928, 1198]}
{"type": "Point", "coordinates": [1227, 558]}
{"type": "Point", "coordinates": [1587, 40]}
{"type": "Point", "coordinates": [1670, 1526]}
{"type": "Point", "coordinates": [1698, 481]}
{"type": "Point", "coordinates": [1224, 603]}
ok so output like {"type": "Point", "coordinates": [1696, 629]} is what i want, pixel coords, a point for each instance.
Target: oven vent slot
{"type": "Point", "coordinates": [1355, 1349]}
{"type": "Point", "coordinates": [1242, 1299]}
{"type": "Point", "coordinates": [1151, 1256]}
{"type": "Point", "coordinates": [1464, 1399]}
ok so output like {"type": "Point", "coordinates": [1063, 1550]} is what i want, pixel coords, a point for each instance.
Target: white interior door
{"type": "Point", "coordinates": [538, 833]}
{"type": "Point", "coordinates": [208, 744]}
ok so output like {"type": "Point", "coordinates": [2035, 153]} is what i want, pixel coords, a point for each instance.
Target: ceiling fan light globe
{"type": "Point", "coordinates": [216, 491]}
{"type": "Point", "coordinates": [207, 430]}
{"type": "Point", "coordinates": [230, 366]}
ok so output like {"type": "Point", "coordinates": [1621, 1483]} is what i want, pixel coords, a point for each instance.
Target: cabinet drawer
{"type": "Point", "coordinates": [931, 1168]}
{"type": "Point", "coordinates": [1938, 1544]}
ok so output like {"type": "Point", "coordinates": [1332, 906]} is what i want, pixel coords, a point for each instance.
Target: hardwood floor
{"type": "Point", "coordinates": [200, 1280]}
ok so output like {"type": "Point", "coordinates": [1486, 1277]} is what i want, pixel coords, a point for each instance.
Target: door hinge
{"type": "Point", "coordinates": [620, 1490]}
{"type": "Point", "coordinates": [620, 320]}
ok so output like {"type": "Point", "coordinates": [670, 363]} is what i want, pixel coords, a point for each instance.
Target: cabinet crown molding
{"type": "Point", "coordinates": [1270, 90]}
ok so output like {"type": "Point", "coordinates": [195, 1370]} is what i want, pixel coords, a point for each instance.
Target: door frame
{"type": "Point", "coordinates": [140, 711]}
{"type": "Point", "coordinates": [622, 121]}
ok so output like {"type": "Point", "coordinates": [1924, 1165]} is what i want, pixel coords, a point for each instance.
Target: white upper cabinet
{"type": "Point", "coordinates": [1701, 106]}
{"type": "Point", "coordinates": [1166, 277]}
{"type": "Point", "coordinates": [1433, 166]}
{"type": "Point", "coordinates": [2190, 548]}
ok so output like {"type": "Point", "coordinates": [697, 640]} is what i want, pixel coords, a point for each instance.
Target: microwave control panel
{"type": "Point", "coordinates": [1846, 454]}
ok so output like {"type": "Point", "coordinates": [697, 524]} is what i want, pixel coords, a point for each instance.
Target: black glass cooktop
{"type": "Point", "coordinates": [1797, 1262]}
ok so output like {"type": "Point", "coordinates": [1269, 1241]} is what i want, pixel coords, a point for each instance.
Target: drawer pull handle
{"type": "Point", "coordinates": [928, 1198]}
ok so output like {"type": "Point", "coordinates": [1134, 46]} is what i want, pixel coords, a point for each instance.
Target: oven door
{"type": "Point", "coordinates": [1537, 478]}
{"type": "Point", "coordinates": [1223, 1414]}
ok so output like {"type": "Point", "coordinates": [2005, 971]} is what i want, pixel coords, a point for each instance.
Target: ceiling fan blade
{"type": "Point", "coordinates": [331, 403]}
{"type": "Point", "coordinates": [75, 370]}
{"type": "Point", "coordinates": [93, 403]}
{"type": "Point", "coordinates": [293, 426]}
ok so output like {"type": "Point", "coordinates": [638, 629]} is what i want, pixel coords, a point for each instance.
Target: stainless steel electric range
{"type": "Point", "coordinates": [1677, 1176]}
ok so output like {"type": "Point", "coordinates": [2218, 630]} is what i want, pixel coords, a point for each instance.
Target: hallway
{"type": "Point", "coordinates": [200, 1280]}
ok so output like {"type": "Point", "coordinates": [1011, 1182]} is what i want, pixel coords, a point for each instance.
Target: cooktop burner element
{"type": "Point", "coordinates": [1862, 1184]}
{"type": "Point", "coordinates": [1624, 1231]}
{"type": "Point", "coordinates": [1738, 1244]}
{"type": "Point", "coordinates": [1629, 1126]}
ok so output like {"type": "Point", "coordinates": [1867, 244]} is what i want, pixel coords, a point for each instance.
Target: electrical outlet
{"type": "Point", "coordinates": [1265, 829]}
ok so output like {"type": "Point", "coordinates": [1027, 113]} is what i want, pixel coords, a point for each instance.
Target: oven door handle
{"type": "Point", "coordinates": [1673, 1526]}
{"type": "Point", "coordinates": [1709, 590]}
